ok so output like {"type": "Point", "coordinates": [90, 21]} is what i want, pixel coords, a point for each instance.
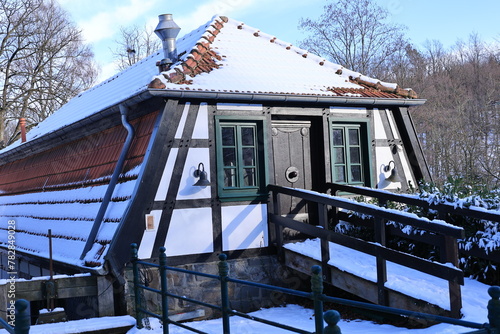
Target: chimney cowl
{"type": "Point", "coordinates": [167, 30]}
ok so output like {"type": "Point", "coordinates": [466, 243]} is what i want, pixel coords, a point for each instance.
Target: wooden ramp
{"type": "Point", "coordinates": [364, 288]}
{"type": "Point", "coordinates": [380, 274]}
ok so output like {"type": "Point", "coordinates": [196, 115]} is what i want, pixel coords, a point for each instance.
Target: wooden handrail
{"type": "Point", "coordinates": [472, 212]}
{"type": "Point", "coordinates": [436, 226]}
{"type": "Point", "coordinates": [446, 232]}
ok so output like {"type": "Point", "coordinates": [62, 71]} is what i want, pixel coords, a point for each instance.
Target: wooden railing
{"type": "Point", "coordinates": [443, 210]}
{"type": "Point", "coordinates": [447, 236]}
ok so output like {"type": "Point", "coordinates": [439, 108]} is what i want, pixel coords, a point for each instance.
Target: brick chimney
{"type": "Point", "coordinates": [22, 125]}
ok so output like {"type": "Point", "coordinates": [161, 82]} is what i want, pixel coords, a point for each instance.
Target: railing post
{"type": "Point", "coordinates": [137, 299]}
{"type": "Point", "coordinates": [278, 229]}
{"type": "Point", "coordinates": [380, 237]}
{"type": "Point", "coordinates": [23, 317]}
{"type": "Point", "coordinates": [332, 318]}
{"type": "Point", "coordinates": [494, 307]}
{"type": "Point", "coordinates": [163, 282]}
{"type": "Point", "coordinates": [325, 244]}
{"type": "Point", "coordinates": [224, 291]}
{"type": "Point", "coordinates": [449, 254]}
{"type": "Point", "coordinates": [317, 292]}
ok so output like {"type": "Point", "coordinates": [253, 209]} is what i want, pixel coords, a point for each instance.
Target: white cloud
{"type": "Point", "coordinates": [204, 12]}
{"type": "Point", "coordinates": [106, 23]}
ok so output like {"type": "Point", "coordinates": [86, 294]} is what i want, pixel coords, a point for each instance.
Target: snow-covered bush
{"type": "Point", "coordinates": [480, 234]}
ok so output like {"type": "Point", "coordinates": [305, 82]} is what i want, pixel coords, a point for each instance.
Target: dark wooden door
{"type": "Point", "coordinates": [292, 160]}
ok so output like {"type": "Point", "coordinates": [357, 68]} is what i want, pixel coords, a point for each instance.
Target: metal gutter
{"type": "Point", "coordinates": [44, 141]}
{"type": "Point", "coordinates": [112, 183]}
{"type": "Point", "coordinates": [267, 97]}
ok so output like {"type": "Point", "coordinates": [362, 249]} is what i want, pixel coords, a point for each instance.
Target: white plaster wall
{"type": "Point", "coordinates": [182, 122]}
{"type": "Point", "coordinates": [239, 106]}
{"type": "Point", "coordinates": [190, 232]}
{"type": "Point", "coordinates": [384, 154]}
{"type": "Point", "coordinates": [348, 110]}
{"type": "Point", "coordinates": [148, 238]}
{"type": "Point", "coordinates": [200, 130]}
{"type": "Point", "coordinates": [186, 188]}
{"type": "Point", "coordinates": [379, 126]}
{"type": "Point", "coordinates": [161, 193]}
{"type": "Point", "coordinates": [244, 227]}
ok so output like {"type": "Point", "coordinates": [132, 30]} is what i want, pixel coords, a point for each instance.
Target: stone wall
{"type": "Point", "coordinates": [243, 298]}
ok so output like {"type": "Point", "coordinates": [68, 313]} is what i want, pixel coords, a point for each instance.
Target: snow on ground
{"type": "Point", "coordinates": [474, 300]}
{"type": "Point", "coordinates": [474, 297]}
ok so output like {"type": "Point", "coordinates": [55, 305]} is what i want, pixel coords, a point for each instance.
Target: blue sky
{"type": "Point", "coordinates": [443, 20]}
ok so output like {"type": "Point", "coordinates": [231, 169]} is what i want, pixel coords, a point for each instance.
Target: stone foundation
{"type": "Point", "coordinates": [243, 298]}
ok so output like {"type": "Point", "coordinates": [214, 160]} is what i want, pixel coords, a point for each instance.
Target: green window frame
{"type": "Point", "coordinates": [350, 154]}
{"type": "Point", "coordinates": [241, 163]}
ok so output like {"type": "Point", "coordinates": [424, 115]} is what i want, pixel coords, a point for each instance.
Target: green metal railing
{"type": "Point", "coordinates": [22, 318]}
{"type": "Point", "coordinates": [331, 317]}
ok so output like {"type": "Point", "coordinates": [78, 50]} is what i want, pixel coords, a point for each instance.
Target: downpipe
{"type": "Point", "coordinates": [112, 182]}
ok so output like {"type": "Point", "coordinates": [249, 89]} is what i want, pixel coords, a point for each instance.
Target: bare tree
{"type": "Point", "coordinates": [459, 125]}
{"type": "Point", "coordinates": [354, 35]}
{"type": "Point", "coordinates": [43, 62]}
{"type": "Point", "coordinates": [134, 44]}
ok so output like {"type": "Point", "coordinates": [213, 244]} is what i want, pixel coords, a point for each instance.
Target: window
{"type": "Point", "coordinates": [350, 154]}
{"type": "Point", "coordinates": [240, 158]}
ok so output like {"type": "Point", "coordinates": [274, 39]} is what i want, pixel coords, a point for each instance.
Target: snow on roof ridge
{"type": "Point", "coordinates": [183, 71]}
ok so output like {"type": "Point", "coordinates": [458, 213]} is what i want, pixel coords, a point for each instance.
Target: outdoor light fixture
{"type": "Point", "coordinates": [394, 177]}
{"type": "Point", "coordinates": [200, 172]}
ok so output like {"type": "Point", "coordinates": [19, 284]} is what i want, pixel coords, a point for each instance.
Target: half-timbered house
{"type": "Point", "coordinates": [178, 150]}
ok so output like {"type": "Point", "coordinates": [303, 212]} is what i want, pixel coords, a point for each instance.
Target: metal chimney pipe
{"type": "Point", "coordinates": [167, 30]}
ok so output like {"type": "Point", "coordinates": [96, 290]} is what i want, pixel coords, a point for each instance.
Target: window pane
{"type": "Point", "coordinates": [228, 136]}
{"type": "Point", "coordinates": [229, 156]}
{"type": "Point", "coordinates": [247, 136]}
{"type": "Point", "coordinates": [229, 177]}
{"type": "Point", "coordinates": [248, 156]}
{"type": "Point", "coordinates": [338, 137]}
{"type": "Point", "coordinates": [353, 137]}
{"type": "Point", "coordinates": [249, 177]}
{"type": "Point", "coordinates": [339, 174]}
{"type": "Point", "coordinates": [339, 155]}
{"type": "Point", "coordinates": [355, 173]}
{"type": "Point", "coordinates": [355, 155]}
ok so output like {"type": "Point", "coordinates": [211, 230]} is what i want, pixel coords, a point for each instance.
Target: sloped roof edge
{"type": "Point", "coordinates": [262, 97]}
{"type": "Point", "coordinates": [46, 141]}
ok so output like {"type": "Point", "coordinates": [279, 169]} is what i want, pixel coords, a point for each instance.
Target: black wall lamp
{"type": "Point", "coordinates": [200, 172]}
{"type": "Point", "coordinates": [394, 177]}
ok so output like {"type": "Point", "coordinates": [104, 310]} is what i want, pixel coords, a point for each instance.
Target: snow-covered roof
{"type": "Point", "coordinates": [226, 55]}
{"type": "Point", "coordinates": [223, 55]}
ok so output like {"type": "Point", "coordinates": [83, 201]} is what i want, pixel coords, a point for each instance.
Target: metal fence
{"type": "Point", "coordinates": [21, 317]}
{"type": "Point", "coordinates": [331, 317]}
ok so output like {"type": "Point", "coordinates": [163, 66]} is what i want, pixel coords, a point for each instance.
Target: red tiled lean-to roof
{"type": "Point", "coordinates": [62, 189]}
